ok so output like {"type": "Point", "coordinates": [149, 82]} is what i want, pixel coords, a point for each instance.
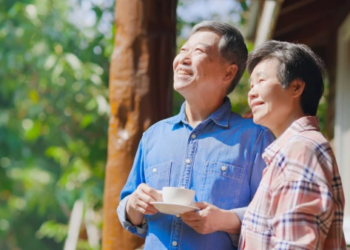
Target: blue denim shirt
{"type": "Point", "coordinates": [194, 159]}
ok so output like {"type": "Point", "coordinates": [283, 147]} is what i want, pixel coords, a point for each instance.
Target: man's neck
{"type": "Point", "coordinates": [199, 110]}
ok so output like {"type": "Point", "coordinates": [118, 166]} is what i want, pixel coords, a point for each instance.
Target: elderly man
{"type": "Point", "coordinates": [206, 147]}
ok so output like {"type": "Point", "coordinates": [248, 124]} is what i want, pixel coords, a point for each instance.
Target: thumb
{"type": "Point", "coordinates": [156, 194]}
{"type": "Point", "coordinates": [201, 205]}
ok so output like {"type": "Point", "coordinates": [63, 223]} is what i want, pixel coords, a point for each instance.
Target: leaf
{"type": "Point", "coordinates": [86, 121]}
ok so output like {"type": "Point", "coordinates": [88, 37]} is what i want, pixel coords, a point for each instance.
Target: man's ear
{"type": "Point", "coordinates": [230, 73]}
{"type": "Point", "coordinates": [297, 87]}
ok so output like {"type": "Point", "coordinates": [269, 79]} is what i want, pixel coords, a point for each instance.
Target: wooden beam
{"type": "Point", "coordinates": [307, 34]}
{"type": "Point", "coordinates": [140, 93]}
{"type": "Point", "coordinates": [301, 16]}
{"type": "Point", "coordinates": [316, 30]}
{"type": "Point", "coordinates": [293, 25]}
{"type": "Point", "coordinates": [294, 6]}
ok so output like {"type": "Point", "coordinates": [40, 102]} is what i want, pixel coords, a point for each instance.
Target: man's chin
{"type": "Point", "coordinates": [181, 88]}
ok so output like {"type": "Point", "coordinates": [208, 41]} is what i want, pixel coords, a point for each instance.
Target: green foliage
{"type": "Point", "coordinates": [54, 230]}
{"type": "Point", "coordinates": [53, 121]}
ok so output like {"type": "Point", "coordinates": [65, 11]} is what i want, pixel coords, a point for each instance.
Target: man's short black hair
{"type": "Point", "coordinates": [296, 62]}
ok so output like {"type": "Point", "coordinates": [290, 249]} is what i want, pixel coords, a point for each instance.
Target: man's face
{"type": "Point", "coordinates": [199, 66]}
{"type": "Point", "coordinates": [270, 103]}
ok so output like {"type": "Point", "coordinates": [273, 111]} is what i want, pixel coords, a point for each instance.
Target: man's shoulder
{"type": "Point", "coordinates": [237, 121]}
{"type": "Point", "coordinates": [162, 124]}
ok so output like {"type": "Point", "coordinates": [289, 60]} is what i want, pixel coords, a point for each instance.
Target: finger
{"type": "Point", "coordinates": [190, 216]}
{"type": "Point", "coordinates": [193, 224]}
{"type": "Point", "coordinates": [145, 208]}
{"type": "Point", "coordinates": [156, 194]}
{"type": "Point", "coordinates": [145, 197]}
{"type": "Point", "coordinates": [248, 114]}
{"type": "Point", "coordinates": [201, 205]}
{"type": "Point", "coordinates": [145, 211]}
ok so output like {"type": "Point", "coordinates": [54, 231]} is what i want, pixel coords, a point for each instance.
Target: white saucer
{"type": "Point", "coordinates": [174, 209]}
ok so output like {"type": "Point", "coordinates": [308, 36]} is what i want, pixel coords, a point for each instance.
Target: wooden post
{"type": "Point", "coordinates": [140, 93]}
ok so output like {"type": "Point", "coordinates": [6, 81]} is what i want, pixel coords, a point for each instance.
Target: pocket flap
{"type": "Point", "coordinates": [224, 169]}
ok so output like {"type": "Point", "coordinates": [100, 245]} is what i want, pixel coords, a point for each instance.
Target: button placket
{"type": "Point", "coordinates": [177, 223]}
{"type": "Point", "coordinates": [185, 182]}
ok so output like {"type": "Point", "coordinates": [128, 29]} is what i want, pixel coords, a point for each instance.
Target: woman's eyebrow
{"type": "Point", "coordinates": [261, 73]}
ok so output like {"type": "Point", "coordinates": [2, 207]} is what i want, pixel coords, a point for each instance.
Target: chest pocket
{"type": "Point", "coordinates": [221, 184]}
{"type": "Point", "coordinates": [158, 176]}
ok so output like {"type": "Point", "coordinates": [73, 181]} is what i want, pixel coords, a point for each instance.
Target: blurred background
{"type": "Point", "coordinates": [54, 107]}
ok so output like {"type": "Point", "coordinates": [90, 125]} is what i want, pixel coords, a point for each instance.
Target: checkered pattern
{"type": "Point", "coordinates": [299, 203]}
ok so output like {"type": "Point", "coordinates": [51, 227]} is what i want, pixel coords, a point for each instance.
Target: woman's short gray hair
{"type": "Point", "coordinates": [231, 46]}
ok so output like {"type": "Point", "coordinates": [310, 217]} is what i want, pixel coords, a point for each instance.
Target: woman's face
{"type": "Point", "coordinates": [269, 102]}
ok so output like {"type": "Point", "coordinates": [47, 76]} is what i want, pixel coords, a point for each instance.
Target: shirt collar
{"type": "Point", "coordinates": [302, 124]}
{"type": "Point", "coordinates": [221, 116]}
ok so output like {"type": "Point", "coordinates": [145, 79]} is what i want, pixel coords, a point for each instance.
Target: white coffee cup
{"type": "Point", "coordinates": [180, 196]}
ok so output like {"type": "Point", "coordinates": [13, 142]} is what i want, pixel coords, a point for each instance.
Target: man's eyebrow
{"type": "Point", "coordinates": [204, 44]}
{"type": "Point", "coordinates": [194, 45]}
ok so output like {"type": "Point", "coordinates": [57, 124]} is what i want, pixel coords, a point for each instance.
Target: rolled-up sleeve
{"type": "Point", "coordinates": [136, 177]}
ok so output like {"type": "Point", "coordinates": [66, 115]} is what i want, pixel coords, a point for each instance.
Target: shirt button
{"type": "Point", "coordinates": [154, 170]}
{"type": "Point", "coordinates": [223, 168]}
{"type": "Point", "coordinates": [188, 161]}
{"type": "Point", "coordinates": [174, 243]}
{"type": "Point", "coordinates": [193, 136]}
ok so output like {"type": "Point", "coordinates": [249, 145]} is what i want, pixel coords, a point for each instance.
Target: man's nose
{"type": "Point", "coordinates": [185, 59]}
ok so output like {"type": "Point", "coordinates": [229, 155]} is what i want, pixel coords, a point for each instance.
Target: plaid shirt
{"type": "Point", "coordinates": [299, 203]}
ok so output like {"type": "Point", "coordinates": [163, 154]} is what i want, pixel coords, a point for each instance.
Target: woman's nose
{"type": "Point", "coordinates": [252, 94]}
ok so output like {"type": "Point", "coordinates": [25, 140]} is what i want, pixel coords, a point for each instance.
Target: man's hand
{"type": "Point", "coordinates": [211, 219]}
{"type": "Point", "coordinates": [139, 203]}
{"type": "Point", "coordinates": [204, 221]}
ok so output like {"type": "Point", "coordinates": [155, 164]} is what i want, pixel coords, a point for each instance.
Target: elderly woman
{"type": "Point", "coordinates": [299, 203]}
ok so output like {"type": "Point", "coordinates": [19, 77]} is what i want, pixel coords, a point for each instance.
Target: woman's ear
{"type": "Point", "coordinates": [230, 73]}
{"type": "Point", "coordinates": [297, 87]}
